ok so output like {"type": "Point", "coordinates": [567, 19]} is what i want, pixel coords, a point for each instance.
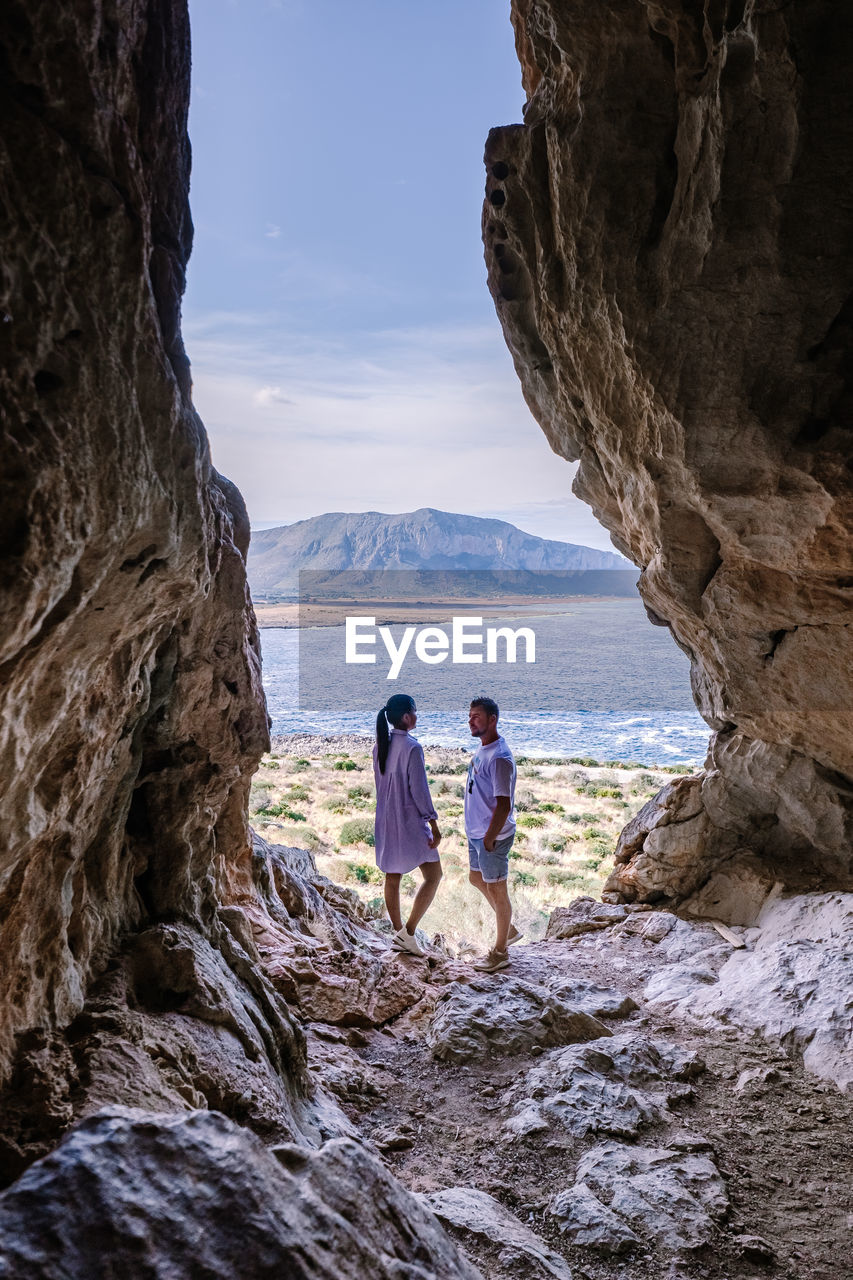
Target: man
{"type": "Point", "coordinates": [490, 825]}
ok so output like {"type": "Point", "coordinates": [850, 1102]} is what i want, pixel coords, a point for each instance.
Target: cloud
{"type": "Point", "coordinates": [269, 395]}
{"type": "Point", "coordinates": [389, 420]}
{"type": "Point", "coordinates": [272, 232]}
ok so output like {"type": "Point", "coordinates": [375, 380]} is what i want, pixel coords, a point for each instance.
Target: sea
{"type": "Point", "coordinates": [606, 685]}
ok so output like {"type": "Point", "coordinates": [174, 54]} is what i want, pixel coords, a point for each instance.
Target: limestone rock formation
{"type": "Point", "coordinates": [792, 984]}
{"type": "Point", "coordinates": [668, 239]}
{"type": "Point", "coordinates": [505, 1017]}
{"type": "Point", "coordinates": [613, 1086]}
{"type": "Point", "coordinates": [286, 1212]}
{"type": "Point", "coordinates": [476, 1211]}
{"type": "Point", "coordinates": [673, 1197]}
{"type": "Point", "coordinates": [133, 710]}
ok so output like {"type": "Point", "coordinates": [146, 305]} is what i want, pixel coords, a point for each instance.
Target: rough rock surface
{"type": "Point", "coordinates": [671, 1197]}
{"type": "Point", "coordinates": [133, 710]}
{"type": "Point", "coordinates": [473, 1210]}
{"type": "Point", "coordinates": [614, 1086]}
{"type": "Point", "coordinates": [668, 239]}
{"type": "Point", "coordinates": [583, 915]}
{"type": "Point", "coordinates": [286, 1212]}
{"type": "Point", "coordinates": [504, 1017]}
{"type": "Point", "coordinates": [793, 986]}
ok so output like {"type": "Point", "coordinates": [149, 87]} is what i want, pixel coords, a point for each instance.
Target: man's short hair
{"type": "Point", "coordinates": [489, 706]}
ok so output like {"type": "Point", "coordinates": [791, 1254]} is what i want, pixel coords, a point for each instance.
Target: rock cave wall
{"type": "Point", "coordinates": [668, 241]}
{"type": "Point", "coordinates": [133, 710]}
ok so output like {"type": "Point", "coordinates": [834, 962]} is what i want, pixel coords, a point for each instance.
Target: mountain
{"type": "Point", "coordinates": [423, 539]}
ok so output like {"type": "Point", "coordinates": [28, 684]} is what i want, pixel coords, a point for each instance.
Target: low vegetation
{"type": "Point", "coordinates": [570, 813]}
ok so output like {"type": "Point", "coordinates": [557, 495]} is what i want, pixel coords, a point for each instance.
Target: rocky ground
{"type": "Point", "coordinates": [750, 1171]}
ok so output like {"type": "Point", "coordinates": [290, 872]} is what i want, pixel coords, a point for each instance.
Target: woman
{"type": "Point", "coordinates": [407, 834]}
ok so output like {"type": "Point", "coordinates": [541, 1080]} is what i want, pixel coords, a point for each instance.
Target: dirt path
{"type": "Point", "coordinates": [782, 1144]}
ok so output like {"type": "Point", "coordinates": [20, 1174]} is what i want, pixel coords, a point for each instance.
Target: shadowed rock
{"type": "Point", "coordinates": [125, 1186]}
{"type": "Point", "coordinates": [505, 1017]}
{"type": "Point", "coordinates": [668, 241]}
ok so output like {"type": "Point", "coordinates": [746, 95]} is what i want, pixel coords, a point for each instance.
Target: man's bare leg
{"type": "Point", "coordinates": [392, 900]}
{"type": "Point", "coordinates": [476, 879]}
{"type": "Point", "coordinates": [498, 895]}
{"type": "Point", "coordinates": [431, 872]}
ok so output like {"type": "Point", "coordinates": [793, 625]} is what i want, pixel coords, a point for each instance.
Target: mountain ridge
{"type": "Point", "coordinates": [426, 538]}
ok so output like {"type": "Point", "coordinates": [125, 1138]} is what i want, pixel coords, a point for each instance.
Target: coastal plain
{"type": "Point", "coordinates": [319, 794]}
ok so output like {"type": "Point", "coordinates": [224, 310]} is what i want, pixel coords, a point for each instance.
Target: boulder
{"type": "Point", "coordinates": [505, 1017]}
{"type": "Point", "coordinates": [194, 1194]}
{"type": "Point", "coordinates": [615, 1086]}
{"type": "Point", "coordinates": [583, 915]}
{"type": "Point", "coordinates": [476, 1211]}
{"type": "Point", "coordinates": [591, 997]}
{"type": "Point", "coordinates": [670, 1199]}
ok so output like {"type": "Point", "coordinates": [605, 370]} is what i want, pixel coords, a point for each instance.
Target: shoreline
{"type": "Point", "coordinates": [293, 615]}
{"type": "Point", "coordinates": [336, 744]}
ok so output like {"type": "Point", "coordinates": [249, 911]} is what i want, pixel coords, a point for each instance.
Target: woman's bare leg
{"type": "Point", "coordinates": [431, 872]}
{"type": "Point", "coordinates": [392, 900]}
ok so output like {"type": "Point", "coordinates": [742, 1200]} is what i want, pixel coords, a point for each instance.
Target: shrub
{"type": "Point", "coordinates": [523, 877]}
{"type": "Point", "coordinates": [528, 771]}
{"type": "Point", "coordinates": [299, 766]}
{"type": "Point", "coordinates": [298, 792]}
{"type": "Point", "coordinates": [408, 884]}
{"type": "Point", "coordinates": [357, 831]}
{"type": "Point", "coordinates": [454, 811]}
{"type": "Point", "coordinates": [550, 807]}
{"type": "Point", "coordinates": [365, 874]}
{"type": "Point", "coordinates": [514, 855]}
{"type": "Point", "coordinates": [336, 804]}
{"type": "Point", "coordinates": [359, 793]}
{"type": "Point", "coordinates": [614, 792]}
{"type": "Point", "coordinates": [561, 877]}
{"type": "Point", "coordinates": [531, 820]}
{"type": "Point", "coordinates": [556, 843]}
{"type": "Point", "coordinates": [263, 784]}
{"type": "Point", "coordinates": [269, 764]}
{"type": "Point", "coordinates": [459, 791]}
{"type": "Point", "coordinates": [584, 760]}
{"type": "Point", "coordinates": [676, 768]}
{"type": "Point", "coordinates": [593, 833]}
{"type": "Point", "coordinates": [282, 811]}
{"type": "Point", "coordinates": [345, 766]}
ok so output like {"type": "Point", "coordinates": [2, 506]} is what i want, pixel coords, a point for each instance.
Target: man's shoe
{"type": "Point", "coordinates": [406, 941]}
{"type": "Point", "coordinates": [493, 961]}
{"type": "Point", "coordinates": [515, 936]}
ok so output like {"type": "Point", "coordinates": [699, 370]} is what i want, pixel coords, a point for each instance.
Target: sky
{"type": "Point", "coordinates": [346, 353]}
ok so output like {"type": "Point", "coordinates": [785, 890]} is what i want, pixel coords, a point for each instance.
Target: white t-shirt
{"type": "Point", "coordinates": [491, 773]}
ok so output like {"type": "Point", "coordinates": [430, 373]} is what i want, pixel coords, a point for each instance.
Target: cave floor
{"type": "Point", "coordinates": [783, 1146]}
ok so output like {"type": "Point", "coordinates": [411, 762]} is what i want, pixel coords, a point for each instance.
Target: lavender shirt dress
{"type": "Point", "coordinates": [403, 807]}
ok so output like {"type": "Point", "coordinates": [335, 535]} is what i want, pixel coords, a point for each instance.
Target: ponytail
{"type": "Point", "coordinates": [394, 710]}
{"type": "Point", "coordinates": [383, 739]}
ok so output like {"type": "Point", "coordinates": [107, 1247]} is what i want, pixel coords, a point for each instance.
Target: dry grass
{"type": "Point", "coordinates": [569, 817]}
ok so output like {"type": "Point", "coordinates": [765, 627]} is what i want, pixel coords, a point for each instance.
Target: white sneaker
{"type": "Point", "coordinates": [406, 941]}
{"type": "Point", "coordinates": [515, 936]}
{"type": "Point", "coordinates": [494, 961]}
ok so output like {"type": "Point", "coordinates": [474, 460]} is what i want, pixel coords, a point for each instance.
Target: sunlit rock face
{"type": "Point", "coordinates": [132, 709]}
{"type": "Point", "coordinates": [669, 249]}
